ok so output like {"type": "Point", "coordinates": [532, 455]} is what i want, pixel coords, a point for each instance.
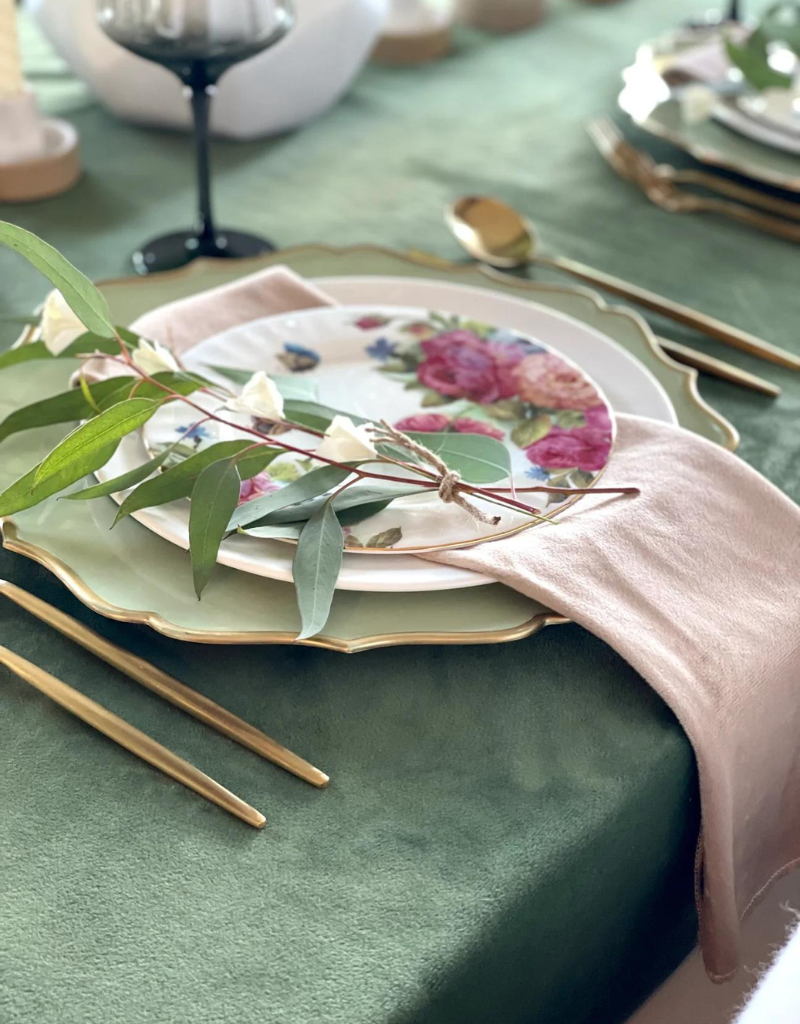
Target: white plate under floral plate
{"type": "Point", "coordinates": [353, 356]}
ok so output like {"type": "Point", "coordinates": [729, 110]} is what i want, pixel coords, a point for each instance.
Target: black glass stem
{"type": "Point", "coordinates": [199, 63]}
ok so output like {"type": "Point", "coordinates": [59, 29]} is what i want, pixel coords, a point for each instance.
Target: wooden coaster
{"type": "Point", "coordinates": [501, 15]}
{"type": "Point", "coordinates": [416, 47]}
{"type": "Point", "coordinates": [48, 175]}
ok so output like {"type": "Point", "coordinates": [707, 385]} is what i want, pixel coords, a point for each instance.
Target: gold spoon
{"type": "Point", "coordinates": [495, 233]}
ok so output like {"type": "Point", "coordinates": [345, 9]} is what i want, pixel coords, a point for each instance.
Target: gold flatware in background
{"type": "Point", "coordinates": [627, 160]}
{"type": "Point", "coordinates": [495, 233]}
{"type": "Point", "coordinates": [130, 738]}
{"type": "Point", "coordinates": [664, 192]}
{"type": "Point", "coordinates": [717, 368]}
{"type": "Point", "coordinates": [167, 686]}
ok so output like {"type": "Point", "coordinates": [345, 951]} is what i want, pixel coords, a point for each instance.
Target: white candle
{"type": "Point", "coordinates": [11, 80]}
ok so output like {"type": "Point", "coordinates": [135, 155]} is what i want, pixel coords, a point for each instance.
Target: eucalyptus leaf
{"type": "Point", "coordinates": [178, 481]}
{"type": "Point", "coordinates": [281, 531]}
{"type": "Point", "coordinates": [181, 383]}
{"type": "Point", "coordinates": [79, 293]}
{"type": "Point", "coordinates": [65, 407]}
{"type": "Point", "coordinates": [315, 569]}
{"type": "Point", "coordinates": [315, 415]}
{"type": "Point", "coordinates": [752, 59]}
{"type": "Point", "coordinates": [214, 497]}
{"type": "Point", "coordinates": [125, 481]}
{"type": "Point", "coordinates": [24, 354]}
{"type": "Point", "coordinates": [318, 481]}
{"type": "Point", "coordinates": [478, 458]}
{"type": "Point", "coordinates": [21, 495]}
{"type": "Point", "coordinates": [80, 448]}
{"type": "Point", "coordinates": [374, 496]}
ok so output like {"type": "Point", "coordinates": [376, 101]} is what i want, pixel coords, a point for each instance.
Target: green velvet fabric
{"type": "Point", "coordinates": [510, 830]}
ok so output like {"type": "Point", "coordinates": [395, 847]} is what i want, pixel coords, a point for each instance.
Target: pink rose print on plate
{"type": "Point", "coordinates": [437, 423]}
{"type": "Point", "coordinates": [371, 321]}
{"type": "Point", "coordinates": [424, 423]}
{"type": "Point", "coordinates": [465, 425]}
{"type": "Point", "coordinates": [586, 448]}
{"type": "Point", "coordinates": [545, 380]}
{"type": "Point", "coordinates": [459, 364]}
{"type": "Point", "coordinates": [256, 487]}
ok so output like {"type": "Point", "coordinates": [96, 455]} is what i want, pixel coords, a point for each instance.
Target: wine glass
{"type": "Point", "coordinates": [198, 40]}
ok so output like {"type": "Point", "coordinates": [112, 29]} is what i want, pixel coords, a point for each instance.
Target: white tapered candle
{"type": "Point", "coordinates": [11, 81]}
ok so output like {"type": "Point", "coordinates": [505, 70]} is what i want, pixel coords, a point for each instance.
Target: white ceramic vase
{"type": "Point", "coordinates": [282, 88]}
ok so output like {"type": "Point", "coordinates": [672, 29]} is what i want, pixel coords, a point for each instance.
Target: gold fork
{"type": "Point", "coordinates": [167, 686]}
{"type": "Point", "coordinates": [130, 738]}
{"type": "Point", "coordinates": [609, 138]}
{"type": "Point", "coordinates": [663, 191]}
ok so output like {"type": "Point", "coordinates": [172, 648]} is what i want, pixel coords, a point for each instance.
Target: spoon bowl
{"type": "Point", "coordinates": [495, 233]}
{"type": "Point", "coordinates": [492, 231]}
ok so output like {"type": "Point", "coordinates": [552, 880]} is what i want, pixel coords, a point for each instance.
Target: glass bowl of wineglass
{"type": "Point", "coordinates": [198, 40]}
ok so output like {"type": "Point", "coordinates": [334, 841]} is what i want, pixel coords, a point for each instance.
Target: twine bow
{"type": "Point", "coordinates": [449, 481]}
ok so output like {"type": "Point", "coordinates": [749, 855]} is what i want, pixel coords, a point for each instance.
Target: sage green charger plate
{"type": "Point", "coordinates": [646, 100]}
{"type": "Point", "coordinates": [132, 575]}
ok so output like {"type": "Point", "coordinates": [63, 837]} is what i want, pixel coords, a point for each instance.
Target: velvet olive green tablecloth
{"type": "Point", "coordinates": [510, 830]}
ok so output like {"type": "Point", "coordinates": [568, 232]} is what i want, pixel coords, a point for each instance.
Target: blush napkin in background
{"type": "Point", "coordinates": [696, 583]}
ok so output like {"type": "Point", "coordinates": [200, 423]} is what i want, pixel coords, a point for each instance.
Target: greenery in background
{"type": "Point", "coordinates": [779, 26]}
{"type": "Point", "coordinates": [313, 509]}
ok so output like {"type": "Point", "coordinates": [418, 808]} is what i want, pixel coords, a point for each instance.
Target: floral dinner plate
{"type": "Point", "coordinates": [424, 372]}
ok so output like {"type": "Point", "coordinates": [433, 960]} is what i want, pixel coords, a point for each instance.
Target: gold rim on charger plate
{"type": "Point", "coordinates": [156, 621]}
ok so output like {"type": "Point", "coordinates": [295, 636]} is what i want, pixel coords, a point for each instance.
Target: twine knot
{"type": "Point", "coordinates": [450, 486]}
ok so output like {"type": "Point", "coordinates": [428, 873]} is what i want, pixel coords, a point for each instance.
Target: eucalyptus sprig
{"type": "Point", "coordinates": [778, 25]}
{"type": "Point", "coordinates": [342, 490]}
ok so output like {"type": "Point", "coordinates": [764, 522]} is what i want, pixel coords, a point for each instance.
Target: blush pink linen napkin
{"type": "Point", "coordinates": [696, 583]}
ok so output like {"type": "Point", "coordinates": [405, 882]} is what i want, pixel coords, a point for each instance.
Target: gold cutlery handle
{"type": "Point", "coordinates": [166, 686]}
{"type": "Point", "coordinates": [674, 310]}
{"type": "Point", "coordinates": [731, 189]}
{"type": "Point", "coordinates": [753, 218]}
{"type": "Point", "coordinates": [130, 738]}
{"type": "Point", "coordinates": [718, 368]}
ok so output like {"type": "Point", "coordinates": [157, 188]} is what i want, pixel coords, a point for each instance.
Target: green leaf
{"type": "Point", "coordinates": [66, 407]}
{"type": "Point", "coordinates": [316, 568]}
{"type": "Point", "coordinates": [81, 446]}
{"type": "Point", "coordinates": [570, 419]}
{"type": "Point", "coordinates": [506, 409]}
{"type": "Point", "coordinates": [318, 481]}
{"type": "Point", "coordinates": [528, 431]}
{"type": "Point", "coordinates": [21, 495]}
{"type": "Point", "coordinates": [181, 383]}
{"type": "Point", "coordinates": [214, 497]}
{"type": "Point", "coordinates": [387, 539]}
{"type": "Point", "coordinates": [280, 531]}
{"type": "Point", "coordinates": [752, 59]}
{"type": "Point", "coordinates": [374, 496]}
{"type": "Point", "coordinates": [580, 478]}
{"type": "Point", "coordinates": [433, 398]}
{"type": "Point", "coordinates": [478, 458]}
{"type": "Point", "coordinates": [80, 294]}
{"type": "Point", "coordinates": [84, 386]}
{"type": "Point", "coordinates": [178, 481]}
{"type": "Point", "coordinates": [125, 481]}
{"type": "Point", "coordinates": [24, 354]}
{"type": "Point", "coordinates": [315, 415]}
{"type": "Point", "coordinates": [83, 345]}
